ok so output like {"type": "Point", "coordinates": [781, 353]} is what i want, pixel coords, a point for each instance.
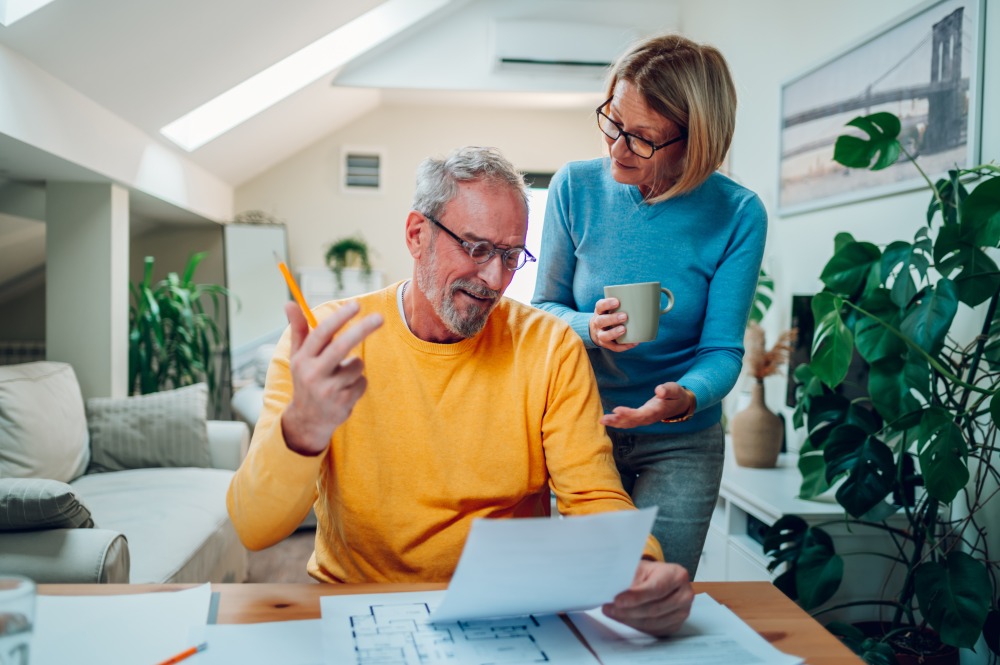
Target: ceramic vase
{"type": "Point", "coordinates": [756, 433]}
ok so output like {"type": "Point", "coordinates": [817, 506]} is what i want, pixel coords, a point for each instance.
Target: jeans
{"type": "Point", "coordinates": [680, 474]}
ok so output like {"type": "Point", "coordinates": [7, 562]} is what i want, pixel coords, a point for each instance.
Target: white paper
{"type": "Point", "coordinates": [285, 642]}
{"type": "Point", "coordinates": [126, 628]}
{"type": "Point", "coordinates": [712, 635]}
{"type": "Point", "coordinates": [396, 628]}
{"type": "Point", "coordinates": [544, 566]}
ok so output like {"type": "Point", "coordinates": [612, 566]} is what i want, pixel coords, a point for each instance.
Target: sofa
{"type": "Point", "coordinates": [114, 490]}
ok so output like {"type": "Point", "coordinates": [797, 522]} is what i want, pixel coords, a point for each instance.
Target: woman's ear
{"type": "Point", "coordinates": [416, 233]}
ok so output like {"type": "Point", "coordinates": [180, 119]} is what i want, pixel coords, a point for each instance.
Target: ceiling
{"type": "Point", "coordinates": [150, 62]}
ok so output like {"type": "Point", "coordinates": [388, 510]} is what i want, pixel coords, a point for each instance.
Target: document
{"type": "Point", "coordinates": [285, 642]}
{"type": "Point", "coordinates": [544, 566]}
{"type": "Point", "coordinates": [396, 628]}
{"type": "Point", "coordinates": [712, 635]}
{"type": "Point", "coordinates": [125, 629]}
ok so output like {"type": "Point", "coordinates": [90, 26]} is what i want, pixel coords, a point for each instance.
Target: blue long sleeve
{"type": "Point", "coordinates": [705, 246]}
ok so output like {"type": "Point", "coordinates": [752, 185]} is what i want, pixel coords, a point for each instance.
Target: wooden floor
{"type": "Point", "coordinates": [284, 562]}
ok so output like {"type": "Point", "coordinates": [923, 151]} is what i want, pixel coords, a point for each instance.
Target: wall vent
{"type": "Point", "coordinates": [562, 46]}
{"type": "Point", "coordinates": [363, 170]}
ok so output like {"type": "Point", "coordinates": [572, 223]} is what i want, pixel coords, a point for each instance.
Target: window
{"type": "Point", "coordinates": [522, 287]}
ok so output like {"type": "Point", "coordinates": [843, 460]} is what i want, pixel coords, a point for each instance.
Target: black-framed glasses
{"type": "Point", "coordinates": [636, 144]}
{"type": "Point", "coordinates": [481, 251]}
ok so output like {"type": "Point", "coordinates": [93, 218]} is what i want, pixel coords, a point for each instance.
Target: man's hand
{"type": "Point", "coordinates": [669, 400]}
{"type": "Point", "coordinates": [327, 383]}
{"type": "Point", "coordinates": [658, 602]}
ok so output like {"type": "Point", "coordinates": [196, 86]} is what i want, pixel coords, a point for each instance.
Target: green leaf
{"type": "Point", "coordinates": [833, 344]}
{"type": "Point", "coordinates": [954, 597]}
{"type": "Point", "coordinates": [952, 192]}
{"type": "Point", "coordinates": [819, 569]}
{"type": "Point", "coordinates": [927, 324]}
{"type": "Point", "coordinates": [872, 336]}
{"type": "Point", "coordinates": [889, 384]}
{"type": "Point", "coordinates": [995, 409]}
{"type": "Point", "coordinates": [981, 213]}
{"type": "Point", "coordinates": [841, 240]}
{"type": "Point", "coordinates": [812, 466]}
{"type": "Point", "coordinates": [955, 250]}
{"type": "Point", "coordinates": [902, 260]}
{"type": "Point", "coordinates": [851, 267]}
{"type": "Point", "coordinates": [869, 466]}
{"type": "Point", "coordinates": [943, 454]}
{"type": "Point", "coordinates": [763, 297]}
{"type": "Point", "coordinates": [880, 147]}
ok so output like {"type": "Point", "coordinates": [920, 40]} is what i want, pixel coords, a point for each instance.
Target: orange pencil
{"type": "Point", "coordinates": [296, 293]}
{"type": "Point", "coordinates": [184, 654]}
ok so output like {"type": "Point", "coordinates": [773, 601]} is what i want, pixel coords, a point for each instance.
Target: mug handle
{"type": "Point", "coordinates": [670, 300]}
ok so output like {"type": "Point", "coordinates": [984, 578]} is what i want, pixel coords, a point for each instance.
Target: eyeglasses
{"type": "Point", "coordinates": [636, 144]}
{"type": "Point", "coordinates": [481, 251]}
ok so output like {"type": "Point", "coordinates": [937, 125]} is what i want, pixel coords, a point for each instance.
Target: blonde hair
{"type": "Point", "coordinates": [689, 84]}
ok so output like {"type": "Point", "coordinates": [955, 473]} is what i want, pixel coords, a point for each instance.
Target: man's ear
{"type": "Point", "coordinates": [417, 235]}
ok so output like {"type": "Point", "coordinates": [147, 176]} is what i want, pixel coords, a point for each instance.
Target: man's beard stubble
{"type": "Point", "coordinates": [464, 324]}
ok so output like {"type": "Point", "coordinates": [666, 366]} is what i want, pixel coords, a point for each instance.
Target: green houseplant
{"type": "Point", "coordinates": [172, 337]}
{"type": "Point", "coordinates": [916, 459]}
{"type": "Point", "coordinates": [350, 252]}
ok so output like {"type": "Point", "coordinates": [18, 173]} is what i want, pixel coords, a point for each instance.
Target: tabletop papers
{"type": "Point", "coordinates": [712, 635]}
{"type": "Point", "coordinates": [396, 628]}
{"type": "Point", "coordinates": [125, 629]}
{"type": "Point", "coordinates": [544, 566]}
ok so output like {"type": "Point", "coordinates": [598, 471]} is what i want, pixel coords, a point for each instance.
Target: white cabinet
{"type": "Point", "coordinates": [750, 500]}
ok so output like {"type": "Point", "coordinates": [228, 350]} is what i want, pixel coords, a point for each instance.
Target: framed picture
{"type": "Point", "coordinates": [925, 68]}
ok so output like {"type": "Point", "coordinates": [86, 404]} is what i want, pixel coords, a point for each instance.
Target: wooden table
{"type": "Point", "coordinates": [783, 623]}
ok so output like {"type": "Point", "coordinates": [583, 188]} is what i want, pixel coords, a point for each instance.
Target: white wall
{"type": "Point", "coordinates": [305, 190]}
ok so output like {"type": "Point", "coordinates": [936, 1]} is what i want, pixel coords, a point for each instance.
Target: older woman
{"type": "Point", "coordinates": [656, 209]}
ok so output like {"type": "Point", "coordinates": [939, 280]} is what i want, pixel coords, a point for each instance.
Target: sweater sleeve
{"type": "Point", "coordinates": [578, 454]}
{"type": "Point", "coordinates": [554, 285]}
{"type": "Point", "coordinates": [274, 488]}
{"type": "Point", "coordinates": [719, 359]}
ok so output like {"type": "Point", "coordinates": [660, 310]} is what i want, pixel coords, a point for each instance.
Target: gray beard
{"type": "Point", "coordinates": [467, 323]}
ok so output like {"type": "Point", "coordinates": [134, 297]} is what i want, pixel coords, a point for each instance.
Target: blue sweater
{"type": "Point", "coordinates": [705, 246]}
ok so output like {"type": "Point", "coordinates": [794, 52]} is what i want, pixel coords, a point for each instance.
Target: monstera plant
{"type": "Point", "coordinates": [916, 458]}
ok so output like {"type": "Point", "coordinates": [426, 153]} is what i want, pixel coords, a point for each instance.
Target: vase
{"type": "Point", "coordinates": [756, 433]}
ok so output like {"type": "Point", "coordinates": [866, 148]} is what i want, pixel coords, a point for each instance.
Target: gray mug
{"type": "Point", "coordinates": [641, 301]}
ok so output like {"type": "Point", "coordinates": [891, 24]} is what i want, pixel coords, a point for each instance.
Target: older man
{"type": "Point", "coordinates": [464, 405]}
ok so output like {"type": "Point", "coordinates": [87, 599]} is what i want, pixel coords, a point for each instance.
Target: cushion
{"type": "Point", "coordinates": [43, 428]}
{"type": "Point", "coordinates": [165, 429]}
{"type": "Point", "coordinates": [38, 503]}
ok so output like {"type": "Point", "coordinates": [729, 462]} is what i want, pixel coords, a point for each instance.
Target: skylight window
{"type": "Point", "coordinates": [263, 90]}
{"type": "Point", "coordinates": [15, 10]}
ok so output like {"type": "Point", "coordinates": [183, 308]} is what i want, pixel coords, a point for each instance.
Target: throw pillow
{"type": "Point", "coordinates": [38, 503]}
{"type": "Point", "coordinates": [43, 429]}
{"type": "Point", "coordinates": [149, 431]}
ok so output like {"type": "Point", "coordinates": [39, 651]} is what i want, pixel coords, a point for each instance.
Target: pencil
{"type": "Point", "coordinates": [185, 654]}
{"type": "Point", "coordinates": [296, 293]}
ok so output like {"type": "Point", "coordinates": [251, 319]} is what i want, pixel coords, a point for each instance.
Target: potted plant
{"type": "Point", "coordinates": [350, 252]}
{"type": "Point", "coordinates": [172, 338]}
{"type": "Point", "coordinates": [917, 458]}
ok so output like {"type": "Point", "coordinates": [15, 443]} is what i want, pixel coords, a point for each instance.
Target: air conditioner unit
{"type": "Point", "coordinates": [558, 45]}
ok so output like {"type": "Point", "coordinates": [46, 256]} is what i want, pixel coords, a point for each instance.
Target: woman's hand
{"type": "Point", "coordinates": [606, 327]}
{"type": "Point", "coordinates": [670, 400]}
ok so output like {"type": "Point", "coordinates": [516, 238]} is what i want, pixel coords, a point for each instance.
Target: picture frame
{"type": "Point", "coordinates": [925, 67]}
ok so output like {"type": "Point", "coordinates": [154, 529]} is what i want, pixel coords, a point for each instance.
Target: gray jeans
{"type": "Point", "coordinates": [680, 474]}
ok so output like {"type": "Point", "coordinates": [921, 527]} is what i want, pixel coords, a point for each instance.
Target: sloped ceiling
{"type": "Point", "coordinates": [149, 62]}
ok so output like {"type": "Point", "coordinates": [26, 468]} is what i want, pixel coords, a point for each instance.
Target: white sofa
{"type": "Point", "coordinates": [146, 525]}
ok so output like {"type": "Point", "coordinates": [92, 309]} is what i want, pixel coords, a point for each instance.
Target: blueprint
{"type": "Point", "coordinates": [395, 629]}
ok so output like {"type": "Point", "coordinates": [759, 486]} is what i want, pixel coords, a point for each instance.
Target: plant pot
{"type": "Point", "coordinates": [756, 433]}
{"type": "Point", "coordinates": [909, 647]}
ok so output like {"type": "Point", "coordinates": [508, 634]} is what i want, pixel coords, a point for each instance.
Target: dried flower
{"type": "Point", "coordinates": [761, 362]}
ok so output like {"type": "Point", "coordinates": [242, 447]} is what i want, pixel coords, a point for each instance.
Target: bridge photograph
{"type": "Point", "coordinates": [923, 69]}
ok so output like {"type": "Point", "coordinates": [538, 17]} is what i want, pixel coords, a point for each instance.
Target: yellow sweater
{"type": "Point", "coordinates": [444, 434]}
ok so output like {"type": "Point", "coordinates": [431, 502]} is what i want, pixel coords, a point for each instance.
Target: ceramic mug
{"type": "Point", "coordinates": [17, 617]}
{"type": "Point", "coordinates": [641, 301]}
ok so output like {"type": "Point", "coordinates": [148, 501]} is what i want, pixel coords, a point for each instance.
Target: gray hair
{"type": "Point", "coordinates": [437, 179]}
